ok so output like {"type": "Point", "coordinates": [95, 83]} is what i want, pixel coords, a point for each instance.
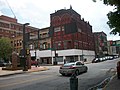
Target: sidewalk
{"type": "Point", "coordinates": [114, 84]}
{"type": "Point", "coordinates": [33, 69]}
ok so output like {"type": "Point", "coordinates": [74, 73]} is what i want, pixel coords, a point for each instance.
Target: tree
{"type": "Point", "coordinates": [5, 48]}
{"type": "Point", "coordinates": [113, 16]}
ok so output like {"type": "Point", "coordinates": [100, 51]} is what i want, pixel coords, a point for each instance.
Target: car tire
{"type": "Point", "coordinates": [86, 70]}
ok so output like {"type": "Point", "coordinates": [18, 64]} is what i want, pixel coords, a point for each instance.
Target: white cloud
{"type": "Point", "coordinates": [37, 12]}
{"type": "Point", "coordinates": [1, 13]}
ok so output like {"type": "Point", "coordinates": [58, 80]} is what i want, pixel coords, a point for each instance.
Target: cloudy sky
{"type": "Point", "coordinates": [37, 12]}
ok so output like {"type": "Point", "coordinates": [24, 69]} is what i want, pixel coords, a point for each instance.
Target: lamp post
{"type": "Point", "coordinates": [82, 59]}
{"type": "Point", "coordinates": [35, 47]}
{"type": "Point", "coordinates": [56, 55]}
{"type": "Point", "coordinates": [24, 47]}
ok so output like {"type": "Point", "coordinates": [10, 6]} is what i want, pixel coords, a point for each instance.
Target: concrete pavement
{"type": "Point", "coordinates": [114, 84]}
{"type": "Point", "coordinates": [9, 72]}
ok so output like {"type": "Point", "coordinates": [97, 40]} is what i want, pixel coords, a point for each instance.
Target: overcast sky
{"type": "Point", "coordinates": [37, 12]}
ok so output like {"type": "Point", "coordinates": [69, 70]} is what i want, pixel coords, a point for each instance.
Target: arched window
{"type": "Point", "coordinates": [65, 19]}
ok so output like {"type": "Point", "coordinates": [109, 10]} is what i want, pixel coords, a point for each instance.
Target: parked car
{"type": "Point", "coordinates": [95, 60]}
{"type": "Point", "coordinates": [73, 67]}
{"type": "Point", "coordinates": [3, 64]}
{"type": "Point", "coordinates": [110, 58]}
{"type": "Point", "coordinates": [34, 62]}
{"type": "Point", "coordinates": [118, 69]}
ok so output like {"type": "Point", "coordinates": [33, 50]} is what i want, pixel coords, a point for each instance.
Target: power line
{"type": "Point", "coordinates": [11, 9]}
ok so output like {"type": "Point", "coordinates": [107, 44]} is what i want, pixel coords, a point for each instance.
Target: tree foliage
{"type": "Point", "coordinates": [113, 16]}
{"type": "Point", "coordinates": [5, 48]}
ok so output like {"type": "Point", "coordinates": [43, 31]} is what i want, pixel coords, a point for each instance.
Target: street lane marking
{"type": "Point", "coordinates": [21, 82]}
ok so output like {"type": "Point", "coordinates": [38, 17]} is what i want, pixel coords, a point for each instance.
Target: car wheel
{"type": "Point", "coordinates": [86, 70]}
{"type": "Point", "coordinates": [77, 72]}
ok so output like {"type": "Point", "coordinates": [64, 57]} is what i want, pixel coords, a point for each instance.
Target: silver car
{"type": "Point", "coordinates": [73, 67]}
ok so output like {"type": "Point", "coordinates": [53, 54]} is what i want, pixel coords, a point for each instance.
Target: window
{"type": "Point", "coordinates": [57, 29]}
{"type": "Point", "coordinates": [44, 45]}
{"type": "Point", "coordinates": [20, 42]}
{"type": "Point", "coordinates": [69, 44]}
{"type": "Point", "coordinates": [65, 45]}
{"type": "Point", "coordinates": [78, 63]}
{"type": "Point", "coordinates": [59, 45]}
{"type": "Point", "coordinates": [41, 46]}
{"type": "Point", "coordinates": [54, 46]}
{"type": "Point", "coordinates": [48, 45]}
{"type": "Point", "coordinates": [17, 43]}
{"type": "Point", "coordinates": [79, 30]}
{"type": "Point", "coordinates": [12, 26]}
{"type": "Point", "coordinates": [76, 44]}
{"type": "Point", "coordinates": [63, 28]}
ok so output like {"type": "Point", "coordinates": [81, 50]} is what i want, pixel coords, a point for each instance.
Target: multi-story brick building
{"type": "Point", "coordinates": [71, 38]}
{"type": "Point", "coordinates": [100, 40]}
{"type": "Point", "coordinates": [9, 27]}
{"type": "Point", "coordinates": [114, 47]}
{"type": "Point", "coordinates": [41, 42]}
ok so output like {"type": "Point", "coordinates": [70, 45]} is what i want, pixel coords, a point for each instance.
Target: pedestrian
{"type": "Point", "coordinates": [64, 61]}
{"type": "Point", "coordinates": [38, 61]}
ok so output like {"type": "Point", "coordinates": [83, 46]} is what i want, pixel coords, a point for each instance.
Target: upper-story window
{"type": "Point", "coordinates": [63, 28]}
{"type": "Point", "coordinates": [12, 26]}
{"type": "Point", "coordinates": [79, 30]}
{"type": "Point", "coordinates": [56, 29]}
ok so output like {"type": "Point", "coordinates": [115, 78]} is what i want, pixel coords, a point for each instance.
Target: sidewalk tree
{"type": "Point", "coordinates": [113, 16]}
{"type": "Point", "coordinates": [5, 48]}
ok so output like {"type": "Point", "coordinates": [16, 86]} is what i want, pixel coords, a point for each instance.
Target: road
{"type": "Point", "coordinates": [52, 80]}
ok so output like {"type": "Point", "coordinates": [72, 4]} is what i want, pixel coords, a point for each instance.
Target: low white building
{"type": "Point", "coordinates": [63, 55]}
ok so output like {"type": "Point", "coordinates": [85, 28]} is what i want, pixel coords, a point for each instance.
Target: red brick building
{"type": "Point", "coordinates": [71, 38]}
{"type": "Point", "coordinates": [9, 27]}
{"type": "Point", "coordinates": [69, 31]}
{"type": "Point", "coordinates": [101, 47]}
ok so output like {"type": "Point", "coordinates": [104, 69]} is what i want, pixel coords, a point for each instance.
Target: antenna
{"type": "Point", "coordinates": [11, 9]}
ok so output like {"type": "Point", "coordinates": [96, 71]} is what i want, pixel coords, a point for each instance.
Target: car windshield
{"type": "Point", "coordinates": [68, 64]}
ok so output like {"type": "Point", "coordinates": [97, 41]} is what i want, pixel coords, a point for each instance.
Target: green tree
{"type": "Point", "coordinates": [5, 48]}
{"type": "Point", "coordinates": [113, 16]}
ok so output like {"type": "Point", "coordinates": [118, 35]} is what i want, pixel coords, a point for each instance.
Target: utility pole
{"type": "Point", "coordinates": [24, 47]}
{"type": "Point", "coordinates": [82, 59]}
{"type": "Point", "coordinates": [55, 62]}
{"type": "Point", "coordinates": [56, 55]}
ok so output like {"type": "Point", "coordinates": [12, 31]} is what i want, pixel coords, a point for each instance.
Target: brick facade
{"type": "Point", "coordinates": [9, 27]}
{"type": "Point", "coordinates": [69, 31]}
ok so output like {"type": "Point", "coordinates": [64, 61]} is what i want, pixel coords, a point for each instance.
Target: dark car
{"type": "Point", "coordinates": [73, 68]}
{"type": "Point", "coordinates": [96, 60]}
{"type": "Point", "coordinates": [3, 64]}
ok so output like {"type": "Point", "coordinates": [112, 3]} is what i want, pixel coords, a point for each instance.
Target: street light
{"type": "Point", "coordinates": [24, 47]}
{"type": "Point", "coordinates": [35, 47]}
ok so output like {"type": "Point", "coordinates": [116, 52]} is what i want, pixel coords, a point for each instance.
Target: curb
{"type": "Point", "coordinates": [21, 72]}
{"type": "Point", "coordinates": [104, 88]}
{"type": "Point", "coordinates": [100, 85]}
{"type": "Point", "coordinates": [103, 84]}
{"type": "Point", "coordinates": [10, 74]}
{"type": "Point", "coordinates": [44, 69]}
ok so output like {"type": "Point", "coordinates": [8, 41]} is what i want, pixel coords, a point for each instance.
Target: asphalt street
{"type": "Point", "coordinates": [52, 80]}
